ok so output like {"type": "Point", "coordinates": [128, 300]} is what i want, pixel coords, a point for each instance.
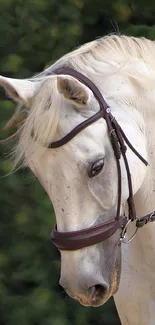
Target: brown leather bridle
{"type": "Point", "coordinates": [75, 240]}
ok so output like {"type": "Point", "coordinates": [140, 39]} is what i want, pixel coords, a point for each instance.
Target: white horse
{"type": "Point", "coordinates": [81, 176]}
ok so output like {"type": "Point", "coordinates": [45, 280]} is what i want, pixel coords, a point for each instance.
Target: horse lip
{"type": "Point", "coordinates": [90, 303]}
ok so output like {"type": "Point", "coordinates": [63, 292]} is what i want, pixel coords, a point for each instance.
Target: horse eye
{"type": "Point", "coordinates": [96, 168]}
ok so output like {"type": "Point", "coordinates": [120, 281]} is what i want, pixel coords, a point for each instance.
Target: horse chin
{"type": "Point", "coordinates": [94, 304]}
{"type": "Point", "coordinates": [99, 302]}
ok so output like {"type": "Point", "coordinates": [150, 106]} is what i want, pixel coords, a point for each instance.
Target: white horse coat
{"type": "Point", "coordinates": [123, 68]}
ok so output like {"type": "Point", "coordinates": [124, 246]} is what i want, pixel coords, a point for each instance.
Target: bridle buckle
{"type": "Point", "coordinates": [123, 238]}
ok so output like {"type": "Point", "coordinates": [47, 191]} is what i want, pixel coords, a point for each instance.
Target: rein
{"type": "Point", "coordinates": [75, 240]}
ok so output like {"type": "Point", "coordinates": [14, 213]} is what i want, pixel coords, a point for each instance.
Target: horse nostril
{"type": "Point", "coordinates": [98, 291]}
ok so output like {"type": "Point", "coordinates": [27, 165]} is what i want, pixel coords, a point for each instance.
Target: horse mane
{"type": "Point", "coordinates": [106, 49]}
{"type": "Point", "coordinates": [90, 58]}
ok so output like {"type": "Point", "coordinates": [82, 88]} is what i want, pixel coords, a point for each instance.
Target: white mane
{"type": "Point", "coordinates": [118, 52]}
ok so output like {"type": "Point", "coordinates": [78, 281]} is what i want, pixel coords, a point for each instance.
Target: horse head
{"type": "Point", "coordinates": [81, 176]}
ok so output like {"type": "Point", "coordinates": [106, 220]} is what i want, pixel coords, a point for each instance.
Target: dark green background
{"type": "Point", "coordinates": [33, 34]}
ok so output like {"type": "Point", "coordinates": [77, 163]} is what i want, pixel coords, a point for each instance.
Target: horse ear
{"type": "Point", "coordinates": [20, 90]}
{"type": "Point", "coordinates": [73, 90]}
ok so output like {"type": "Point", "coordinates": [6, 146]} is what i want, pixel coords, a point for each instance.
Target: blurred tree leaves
{"type": "Point", "coordinates": [33, 34]}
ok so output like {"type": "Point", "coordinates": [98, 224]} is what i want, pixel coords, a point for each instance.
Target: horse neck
{"type": "Point", "coordinates": [137, 284]}
{"type": "Point", "coordinates": [143, 247]}
{"type": "Point", "coordinates": [145, 197]}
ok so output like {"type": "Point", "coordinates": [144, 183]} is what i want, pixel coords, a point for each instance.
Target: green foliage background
{"type": "Point", "coordinates": [33, 34]}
